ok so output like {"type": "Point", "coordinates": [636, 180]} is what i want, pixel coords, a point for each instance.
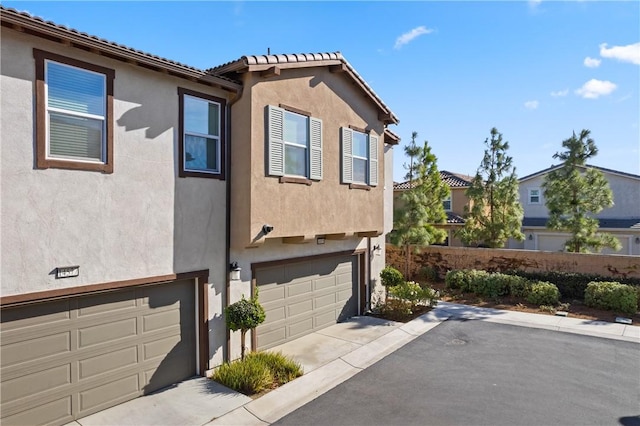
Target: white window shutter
{"type": "Point", "coordinates": [347, 158]}
{"type": "Point", "coordinates": [315, 154]}
{"type": "Point", "coordinates": [373, 160]}
{"type": "Point", "coordinates": [275, 129]}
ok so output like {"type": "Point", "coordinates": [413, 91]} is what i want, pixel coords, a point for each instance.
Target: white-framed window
{"type": "Point", "coordinates": [534, 196]}
{"type": "Point", "coordinates": [295, 144]}
{"type": "Point", "coordinates": [74, 113]}
{"type": "Point", "coordinates": [359, 157]}
{"type": "Point", "coordinates": [446, 203]}
{"type": "Point", "coordinates": [201, 135]}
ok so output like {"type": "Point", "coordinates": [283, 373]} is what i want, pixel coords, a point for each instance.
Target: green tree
{"type": "Point", "coordinates": [244, 315]}
{"type": "Point", "coordinates": [575, 193]}
{"type": "Point", "coordinates": [421, 205]}
{"type": "Point", "coordinates": [495, 213]}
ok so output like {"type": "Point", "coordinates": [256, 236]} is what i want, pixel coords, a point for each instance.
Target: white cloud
{"type": "Point", "coordinates": [533, 4]}
{"type": "Point", "coordinates": [593, 89]}
{"type": "Point", "coordinates": [411, 35]}
{"type": "Point", "coordinates": [560, 93]}
{"type": "Point", "coordinates": [628, 53]}
{"type": "Point", "coordinates": [591, 62]}
{"type": "Point", "coordinates": [531, 104]}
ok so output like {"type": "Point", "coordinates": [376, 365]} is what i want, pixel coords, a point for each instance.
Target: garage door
{"type": "Point", "coordinates": [552, 242]}
{"type": "Point", "coordinates": [65, 359]}
{"type": "Point", "coordinates": [302, 297]}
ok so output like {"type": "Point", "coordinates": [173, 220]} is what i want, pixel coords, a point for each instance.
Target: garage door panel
{"type": "Point", "coordinates": [166, 294]}
{"type": "Point", "coordinates": [106, 302]}
{"type": "Point", "coordinates": [110, 361]}
{"type": "Point", "coordinates": [267, 337]}
{"type": "Point", "coordinates": [300, 327]}
{"type": "Point", "coordinates": [107, 333]}
{"type": "Point", "coordinates": [94, 360]}
{"type": "Point", "coordinates": [345, 295]}
{"type": "Point", "coordinates": [271, 275]}
{"type": "Point", "coordinates": [34, 349]}
{"type": "Point", "coordinates": [325, 319]}
{"type": "Point", "coordinates": [58, 411]}
{"type": "Point", "coordinates": [274, 314]}
{"type": "Point", "coordinates": [271, 294]}
{"type": "Point", "coordinates": [324, 283]}
{"type": "Point", "coordinates": [299, 287]}
{"type": "Point", "coordinates": [324, 301]}
{"type": "Point", "coordinates": [39, 313]}
{"type": "Point", "coordinates": [300, 308]}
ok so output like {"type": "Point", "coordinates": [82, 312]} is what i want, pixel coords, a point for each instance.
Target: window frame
{"type": "Point", "coordinates": [529, 195]}
{"type": "Point", "coordinates": [43, 160]}
{"type": "Point", "coordinates": [307, 147]}
{"type": "Point", "coordinates": [222, 103]}
{"type": "Point", "coordinates": [372, 147]}
{"type": "Point", "coordinates": [448, 198]}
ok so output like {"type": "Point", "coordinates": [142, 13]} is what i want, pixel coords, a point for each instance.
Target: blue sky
{"type": "Point", "coordinates": [536, 70]}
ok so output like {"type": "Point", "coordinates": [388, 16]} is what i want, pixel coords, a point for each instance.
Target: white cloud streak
{"type": "Point", "coordinates": [560, 93]}
{"type": "Point", "coordinates": [628, 53]}
{"type": "Point", "coordinates": [591, 62]}
{"type": "Point", "coordinates": [531, 104]}
{"type": "Point", "coordinates": [411, 35]}
{"type": "Point", "coordinates": [593, 89]}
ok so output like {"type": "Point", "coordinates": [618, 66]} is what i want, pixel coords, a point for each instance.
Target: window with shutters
{"type": "Point", "coordinates": [74, 114]}
{"type": "Point", "coordinates": [295, 144]}
{"type": "Point", "coordinates": [359, 157]}
{"type": "Point", "coordinates": [201, 137]}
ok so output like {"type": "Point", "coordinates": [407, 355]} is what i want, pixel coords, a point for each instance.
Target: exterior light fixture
{"type": "Point", "coordinates": [234, 271]}
{"type": "Point", "coordinates": [637, 240]}
{"type": "Point", "coordinates": [530, 237]}
{"type": "Point", "coordinates": [376, 249]}
{"type": "Point", "coordinates": [320, 240]}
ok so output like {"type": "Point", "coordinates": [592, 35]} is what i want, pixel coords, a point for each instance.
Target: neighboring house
{"type": "Point", "coordinates": [454, 205]}
{"type": "Point", "coordinates": [621, 220]}
{"type": "Point", "coordinates": [132, 184]}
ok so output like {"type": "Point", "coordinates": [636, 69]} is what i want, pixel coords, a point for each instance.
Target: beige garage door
{"type": "Point", "coordinates": [552, 242]}
{"type": "Point", "coordinates": [302, 297]}
{"type": "Point", "coordinates": [65, 359]}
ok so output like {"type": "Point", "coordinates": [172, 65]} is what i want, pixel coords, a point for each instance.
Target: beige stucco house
{"type": "Point", "coordinates": [621, 220]}
{"type": "Point", "coordinates": [454, 205]}
{"type": "Point", "coordinates": [135, 188]}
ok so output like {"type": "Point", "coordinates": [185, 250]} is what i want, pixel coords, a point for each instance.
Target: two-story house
{"type": "Point", "coordinates": [454, 205]}
{"type": "Point", "coordinates": [135, 188]}
{"type": "Point", "coordinates": [622, 220]}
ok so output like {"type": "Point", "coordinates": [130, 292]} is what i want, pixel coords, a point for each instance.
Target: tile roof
{"type": "Point", "coordinates": [602, 169]}
{"type": "Point", "coordinates": [302, 60]}
{"type": "Point", "coordinates": [454, 180]}
{"type": "Point", "coordinates": [633, 223]}
{"type": "Point", "coordinates": [35, 25]}
{"type": "Point", "coordinates": [454, 218]}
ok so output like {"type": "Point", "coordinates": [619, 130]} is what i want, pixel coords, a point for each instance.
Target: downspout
{"type": "Point", "coordinates": [226, 356]}
{"type": "Point", "coordinates": [367, 285]}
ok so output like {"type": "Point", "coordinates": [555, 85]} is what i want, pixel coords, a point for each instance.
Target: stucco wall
{"type": "Point", "coordinates": [448, 258]}
{"type": "Point", "coordinates": [458, 200]}
{"type": "Point", "coordinates": [138, 222]}
{"type": "Point", "coordinates": [325, 207]}
{"type": "Point", "coordinates": [626, 197]}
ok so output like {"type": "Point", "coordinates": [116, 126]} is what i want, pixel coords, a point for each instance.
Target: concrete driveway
{"type": "Point", "coordinates": [466, 372]}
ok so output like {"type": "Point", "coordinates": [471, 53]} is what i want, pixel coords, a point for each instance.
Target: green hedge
{"type": "Point", "coordinates": [544, 293]}
{"type": "Point", "coordinates": [612, 296]}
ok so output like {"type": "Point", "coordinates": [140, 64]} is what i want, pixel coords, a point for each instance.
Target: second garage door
{"type": "Point", "coordinates": [65, 359]}
{"type": "Point", "coordinates": [305, 296]}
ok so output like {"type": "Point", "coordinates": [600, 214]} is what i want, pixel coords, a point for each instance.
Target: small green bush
{"type": "Point", "coordinates": [391, 277]}
{"type": "Point", "coordinates": [544, 293]}
{"type": "Point", "coordinates": [612, 296]}
{"type": "Point", "coordinates": [519, 286]}
{"type": "Point", "coordinates": [492, 285]}
{"type": "Point", "coordinates": [414, 294]}
{"type": "Point", "coordinates": [394, 309]}
{"type": "Point", "coordinates": [257, 372]}
{"type": "Point", "coordinates": [466, 280]}
{"type": "Point", "coordinates": [455, 278]}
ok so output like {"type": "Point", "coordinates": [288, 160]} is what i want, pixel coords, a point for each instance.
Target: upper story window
{"type": "Point", "coordinates": [74, 114]}
{"type": "Point", "coordinates": [359, 157]}
{"type": "Point", "coordinates": [534, 196]}
{"type": "Point", "coordinates": [201, 143]}
{"type": "Point", "coordinates": [295, 143]}
{"type": "Point", "coordinates": [446, 203]}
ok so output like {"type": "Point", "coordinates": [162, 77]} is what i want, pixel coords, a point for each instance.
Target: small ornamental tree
{"type": "Point", "coordinates": [421, 208]}
{"type": "Point", "coordinates": [244, 315]}
{"type": "Point", "coordinates": [495, 214]}
{"type": "Point", "coordinates": [575, 193]}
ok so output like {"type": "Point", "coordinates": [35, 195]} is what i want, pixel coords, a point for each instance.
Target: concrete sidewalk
{"type": "Point", "coordinates": [329, 357]}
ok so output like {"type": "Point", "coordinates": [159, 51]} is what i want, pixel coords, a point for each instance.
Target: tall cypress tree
{"type": "Point", "coordinates": [421, 204]}
{"type": "Point", "coordinates": [575, 193]}
{"type": "Point", "coordinates": [495, 213]}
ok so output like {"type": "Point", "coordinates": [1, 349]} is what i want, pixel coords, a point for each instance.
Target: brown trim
{"type": "Point", "coordinates": [290, 179]}
{"type": "Point", "coordinates": [203, 321]}
{"type": "Point", "coordinates": [369, 234]}
{"type": "Point", "coordinates": [336, 236]}
{"type": "Point", "coordinates": [362, 283]}
{"type": "Point", "coordinates": [296, 110]}
{"type": "Point", "coordinates": [113, 285]}
{"type": "Point", "coordinates": [358, 129]}
{"type": "Point", "coordinates": [338, 68]}
{"type": "Point", "coordinates": [359, 186]}
{"type": "Point", "coordinates": [42, 162]}
{"type": "Point", "coordinates": [221, 155]}
{"type": "Point", "coordinates": [259, 265]}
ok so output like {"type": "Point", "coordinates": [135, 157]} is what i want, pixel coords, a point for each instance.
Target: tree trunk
{"type": "Point", "coordinates": [243, 334]}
